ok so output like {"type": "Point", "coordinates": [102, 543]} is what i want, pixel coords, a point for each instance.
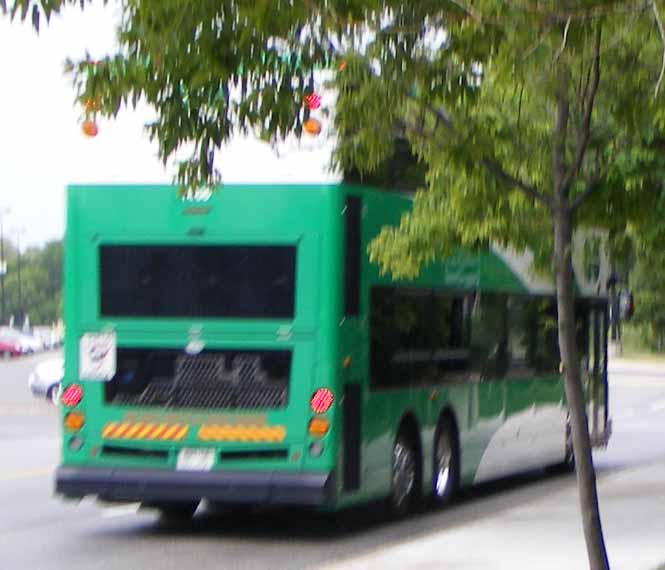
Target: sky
{"type": "Point", "coordinates": [42, 148]}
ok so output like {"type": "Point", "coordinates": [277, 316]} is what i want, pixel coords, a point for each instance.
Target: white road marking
{"type": "Point", "coordinates": [121, 511]}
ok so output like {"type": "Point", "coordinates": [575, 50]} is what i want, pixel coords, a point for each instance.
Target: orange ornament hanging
{"type": "Point", "coordinates": [312, 127]}
{"type": "Point", "coordinates": [89, 128]}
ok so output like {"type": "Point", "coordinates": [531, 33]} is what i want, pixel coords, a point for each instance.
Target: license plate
{"type": "Point", "coordinates": [195, 459]}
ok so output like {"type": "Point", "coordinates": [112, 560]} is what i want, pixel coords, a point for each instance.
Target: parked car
{"type": "Point", "coordinates": [9, 347]}
{"type": "Point", "coordinates": [49, 337]}
{"type": "Point", "coordinates": [45, 379]}
{"type": "Point", "coordinates": [28, 343]}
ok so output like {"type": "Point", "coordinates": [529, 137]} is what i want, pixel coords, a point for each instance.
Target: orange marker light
{"type": "Point", "coordinates": [74, 421]}
{"type": "Point", "coordinates": [318, 427]}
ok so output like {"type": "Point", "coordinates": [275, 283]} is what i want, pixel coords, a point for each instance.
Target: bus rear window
{"type": "Point", "coordinates": [255, 282]}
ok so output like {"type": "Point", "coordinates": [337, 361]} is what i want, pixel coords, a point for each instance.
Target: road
{"type": "Point", "coordinates": [41, 532]}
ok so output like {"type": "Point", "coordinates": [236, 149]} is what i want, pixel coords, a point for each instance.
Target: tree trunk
{"type": "Point", "coordinates": [586, 476]}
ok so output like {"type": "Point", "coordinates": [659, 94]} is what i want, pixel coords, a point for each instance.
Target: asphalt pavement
{"type": "Point", "coordinates": [528, 521]}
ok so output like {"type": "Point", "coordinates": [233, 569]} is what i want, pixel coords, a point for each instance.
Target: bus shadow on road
{"type": "Point", "coordinates": [368, 524]}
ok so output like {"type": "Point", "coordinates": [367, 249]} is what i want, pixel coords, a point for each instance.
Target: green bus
{"type": "Point", "coordinates": [241, 349]}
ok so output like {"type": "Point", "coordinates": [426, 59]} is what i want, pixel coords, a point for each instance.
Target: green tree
{"type": "Point", "coordinates": [530, 118]}
{"type": "Point", "coordinates": [648, 284]}
{"type": "Point", "coordinates": [37, 293]}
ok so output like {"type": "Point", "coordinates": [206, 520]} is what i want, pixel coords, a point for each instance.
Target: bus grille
{"type": "Point", "coordinates": [220, 380]}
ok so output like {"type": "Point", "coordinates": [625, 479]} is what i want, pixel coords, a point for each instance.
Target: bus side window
{"type": "Point", "coordinates": [584, 329]}
{"type": "Point", "coordinates": [547, 355]}
{"type": "Point", "coordinates": [489, 336]}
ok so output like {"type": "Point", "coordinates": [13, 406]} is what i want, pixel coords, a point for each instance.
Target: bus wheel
{"type": "Point", "coordinates": [445, 465]}
{"type": "Point", "coordinates": [404, 474]}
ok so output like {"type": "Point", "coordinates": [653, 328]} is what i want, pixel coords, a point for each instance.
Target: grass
{"type": "Point", "coordinates": [635, 348]}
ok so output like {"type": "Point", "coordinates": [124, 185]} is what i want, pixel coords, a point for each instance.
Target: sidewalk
{"type": "Point", "coordinates": [618, 364]}
{"type": "Point", "coordinates": [545, 534]}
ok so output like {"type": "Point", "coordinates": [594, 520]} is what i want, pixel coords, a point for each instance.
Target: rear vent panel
{"type": "Point", "coordinates": [210, 380]}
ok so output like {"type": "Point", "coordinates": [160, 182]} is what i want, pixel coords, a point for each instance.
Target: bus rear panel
{"type": "Point", "coordinates": [200, 346]}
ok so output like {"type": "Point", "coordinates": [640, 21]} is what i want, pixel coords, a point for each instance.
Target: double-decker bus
{"type": "Point", "coordinates": [243, 349]}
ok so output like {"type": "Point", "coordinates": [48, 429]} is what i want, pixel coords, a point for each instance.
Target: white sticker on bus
{"type": "Point", "coordinates": [97, 356]}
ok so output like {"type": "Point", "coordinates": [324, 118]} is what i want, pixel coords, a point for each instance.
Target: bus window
{"type": "Point", "coordinates": [239, 281]}
{"type": "Point", "coordinates": [522, 336]}
{"type": "Point", "coordinates": [418, 337]}
{"type": "Point", "coordinates": [489, 336]}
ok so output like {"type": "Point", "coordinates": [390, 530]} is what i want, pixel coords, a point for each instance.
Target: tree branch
{"type": "Point", "coordinates": [497, 170]}
{"type": "Point", "coordinates": [590, 189]}
{"type": "Point", "coordinates": [559, 137]}
{"type": "Point", "coordinates": [489, 163]}
{"type": "Point", "coordinates": [565, 39]}
{"type": "Point", "coordinates": [661, 32]}
{"type": "Point", "coordinates": [467, 11]}
{"type": "Point", "coordinates": [538, 42]}
{"type": "Point", "coordinates": [583, 141]}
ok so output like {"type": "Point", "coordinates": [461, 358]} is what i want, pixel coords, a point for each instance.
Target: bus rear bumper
{"type": "Point", "coordinates": [144, 485]}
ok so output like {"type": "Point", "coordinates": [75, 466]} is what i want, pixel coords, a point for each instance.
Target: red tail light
{"type": "Point", "coordinates": [321, 400]}
{"type": "Point", "coordinates": [72, 395]}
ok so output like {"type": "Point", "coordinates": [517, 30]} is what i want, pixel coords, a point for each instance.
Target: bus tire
{"type": "Point", "coordinates": [445, 464]}
{"type": "Point", "coordinates": [404, 475]}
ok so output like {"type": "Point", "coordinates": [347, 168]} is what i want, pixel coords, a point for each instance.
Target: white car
{"type": "Point", "coordinates": [45, 379]}
{"type": "Point", "coordinates": [30, 344]}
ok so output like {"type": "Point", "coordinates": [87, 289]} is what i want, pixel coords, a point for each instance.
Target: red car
{"type": "Point", "coordinates": [9, 347]}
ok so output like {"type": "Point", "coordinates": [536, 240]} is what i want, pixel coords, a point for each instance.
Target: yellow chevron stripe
{"type": "Point", "coordinates": [140, 430]}
{"type": "Point", "coordinates": [207, 432]}
{"type": "Point", "coordinates": [181, 433]}
{"type": "Point", "coordinates": [159, 430]}
{"type": "Point", "coordinates": [145, 431]}
{"type": "Point", "coordinates": [122, 428]}
{"type": "Point", "coordinates": [170, 431]}
{"type": "Point", "coordinates": [132, 431]}
{"type": "Point", "coordinates": [241, 433]}
{"type": "Point", "coordinates": [108, 429]}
